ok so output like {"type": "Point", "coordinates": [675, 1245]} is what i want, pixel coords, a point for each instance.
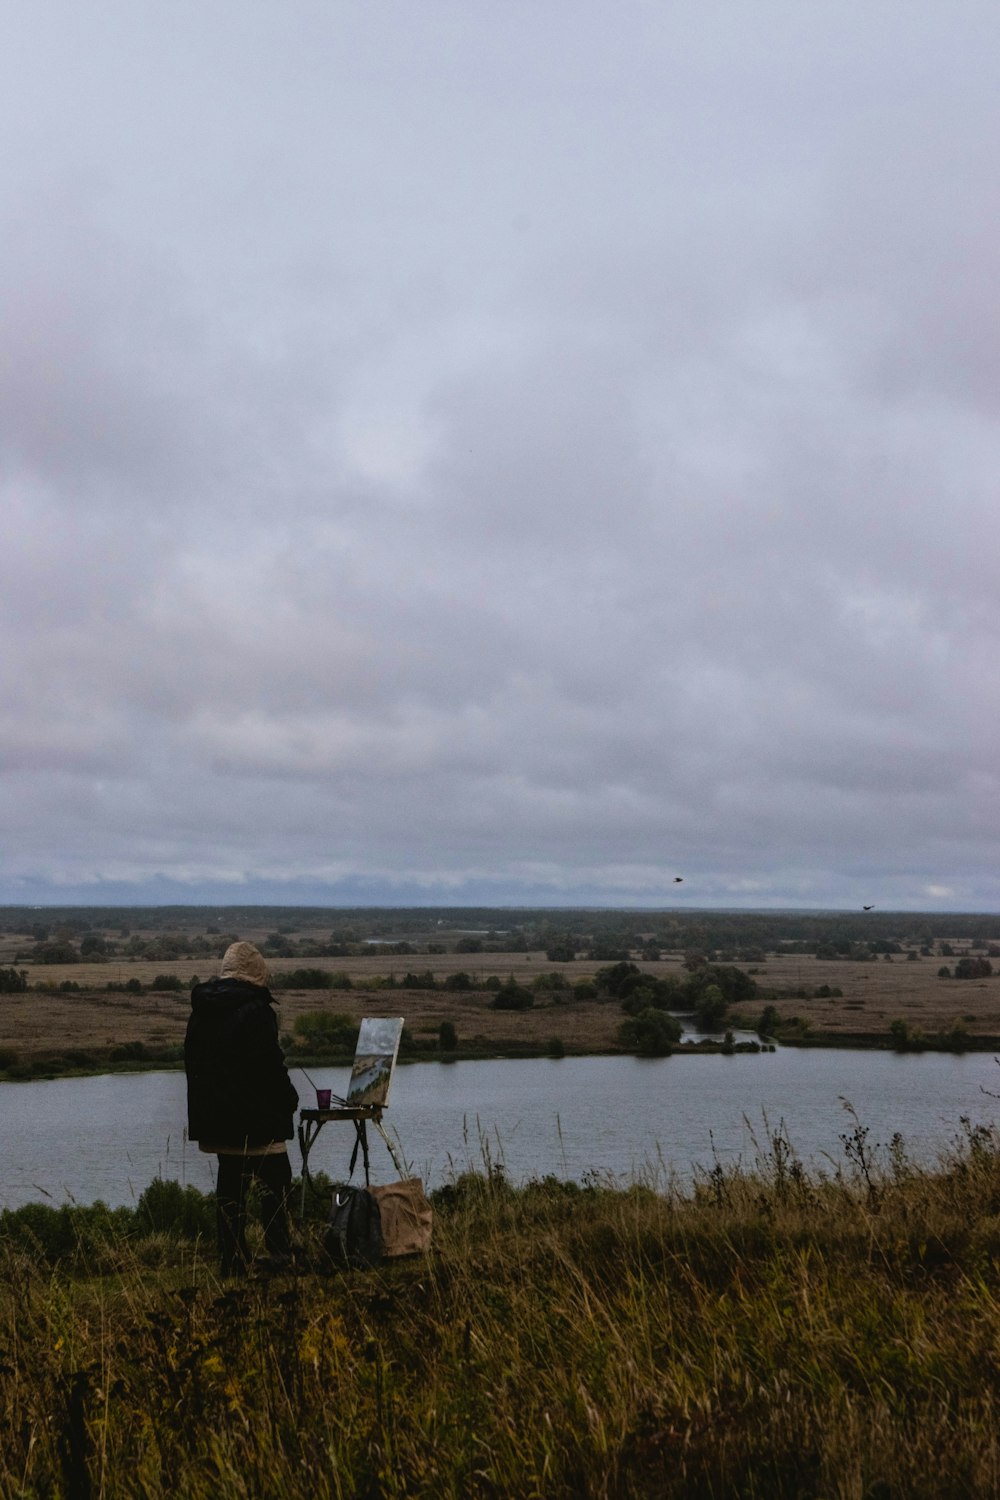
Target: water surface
{"type": "Point", "coordinates": [108, 1136]}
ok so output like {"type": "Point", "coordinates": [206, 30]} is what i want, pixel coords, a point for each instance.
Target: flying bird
{"type": "Point", "coordinates": [868, 908]}
{"type": "Point", "coordinates": [678, 880]}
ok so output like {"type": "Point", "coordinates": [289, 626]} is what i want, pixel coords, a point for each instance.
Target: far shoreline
{"type": "Point", "coordinates": [48, 1070]}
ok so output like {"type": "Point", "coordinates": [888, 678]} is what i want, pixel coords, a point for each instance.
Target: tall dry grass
{"type": "Point", "coordinates": [773, 1332]}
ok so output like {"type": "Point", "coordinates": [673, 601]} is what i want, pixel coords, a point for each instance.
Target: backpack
{"type": "Point", "coordinates": [354, 1228]}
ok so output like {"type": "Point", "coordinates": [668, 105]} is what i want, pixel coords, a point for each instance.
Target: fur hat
{"type": "Point", "coordinates": [243, 961]}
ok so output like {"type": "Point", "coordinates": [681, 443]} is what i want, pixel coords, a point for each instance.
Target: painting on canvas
{"type": "Point", "coordinates": [374, 1060]}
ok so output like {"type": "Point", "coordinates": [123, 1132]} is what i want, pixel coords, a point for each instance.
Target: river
{"type": "Point", "coordinates": [106, 1137]}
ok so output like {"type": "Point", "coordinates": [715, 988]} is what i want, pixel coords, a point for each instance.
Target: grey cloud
{"type": "Point", "coordinates": [507, 453]}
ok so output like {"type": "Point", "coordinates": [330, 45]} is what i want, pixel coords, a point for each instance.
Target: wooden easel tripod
{"type": "Point", "coordinates": [311, 1122]}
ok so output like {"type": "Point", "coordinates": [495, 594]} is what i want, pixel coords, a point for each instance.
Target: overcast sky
{"type": "Point", "coordinates": [500, 452]}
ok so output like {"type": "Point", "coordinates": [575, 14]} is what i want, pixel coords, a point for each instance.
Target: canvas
{"type": "Point", "coordinates": [374, 1060]}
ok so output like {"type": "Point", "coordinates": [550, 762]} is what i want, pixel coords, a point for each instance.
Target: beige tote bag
{"type": "Point", "coordinates": [406, 1216]}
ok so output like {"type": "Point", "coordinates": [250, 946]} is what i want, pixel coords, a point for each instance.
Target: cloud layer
{"type": "Point", "coordinates": [510, 453]}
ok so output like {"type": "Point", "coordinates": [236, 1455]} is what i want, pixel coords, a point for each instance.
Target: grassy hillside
{"type": "Point", "coordinates": [768, 1334]}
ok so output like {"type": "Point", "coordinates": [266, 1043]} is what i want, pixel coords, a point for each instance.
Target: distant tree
{"type": "Point", "coordinates": [423, 981]}
{"type": "Point", "coordinates": [620, 979]}
{"type": "Point", "coordinates": [710, 1007]}
{"type": "Point", "coordinates": [973, 968]}
{"type": "Point", "coordinates": [652, 1033]}
{"type": "Point", "coordinates": [277, 945]}
{"type": "Point", "coordinates": [326, 1031]}
{"type": "Point", "coordinates": [13, 981]}
{"type": "Point", "coordinates": [550, 982]}
{"type": "Point", "coordinates": [736, 985]}
{"type": "Point", "coordinates": [560, 953]}
{"type": "Point", "coordinates": [311, 979]}
{"type": "Point", "coordinates": [769, 1021]}
{"type": "Point", "coordinates": [56, 953]}
{"type": "Point", "coordinates": [512, 996]}
{"type": "Point", "coordinates": [900, 1033]}
{"type": "Point", "coordinates": [447, 1036]}
{"type": "Point", "coordinates": [167, 948]}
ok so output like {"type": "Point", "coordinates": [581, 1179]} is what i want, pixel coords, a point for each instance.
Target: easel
{"type": "Point", "coordinates": [377, 1046]}
{"type": "Point", "coordinates": [311, 1122]}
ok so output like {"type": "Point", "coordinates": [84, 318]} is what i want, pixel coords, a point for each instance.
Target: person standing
{"type": "Point", "coordinates": [241, 1102]}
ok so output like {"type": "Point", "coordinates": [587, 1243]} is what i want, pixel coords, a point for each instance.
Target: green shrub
{"type": "Point", "coordinates": [543, 982]}
{"type": "Point", "coordinates": [422, 981]}
{"type": "Point", "coordinates": [710, 1007]}
{"type": "Point", "coordinates": [327, 1031]}
{"type": "Point", "coordinates": [167, 1207]}
{"type": "Point", "coordinates": [130, 1052]}
{"type": "Point", "coordinates": [512, 996]}
{"type": "Point", "coordinates": [769, 1021]}
{"type": "Point", "coordinates": [447, 1036]}
{"type": "Point", "coordinates": [652, 1033]}
{"type": "Point", "coordinates": [311, 979]}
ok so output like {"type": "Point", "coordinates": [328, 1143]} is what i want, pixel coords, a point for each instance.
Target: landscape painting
{"type": "Point", "coordinates": [374, 1060]}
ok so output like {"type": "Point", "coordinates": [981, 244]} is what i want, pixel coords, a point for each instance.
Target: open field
{"type": "Point", "coordinates": [877, 993]}
{"type": "Point", "coordinates": [874, 995]}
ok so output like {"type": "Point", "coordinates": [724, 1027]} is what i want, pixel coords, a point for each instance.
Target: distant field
{"type": "Point", "coordinates": [875, 993]}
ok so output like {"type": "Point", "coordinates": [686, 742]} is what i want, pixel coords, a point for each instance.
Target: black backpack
{"type": "Point", "coordinates": [354, 1228]}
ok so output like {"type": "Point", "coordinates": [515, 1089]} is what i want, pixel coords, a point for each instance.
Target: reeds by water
{"type": "Point", "coordinates": [770, 1332]}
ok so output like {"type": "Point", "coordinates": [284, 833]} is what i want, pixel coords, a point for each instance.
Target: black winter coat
{"type": "Point", "coordinates": [239, 1092]}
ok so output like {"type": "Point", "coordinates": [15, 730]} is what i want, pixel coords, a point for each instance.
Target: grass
{"type": "Point", "coordinates": [766, 1333]}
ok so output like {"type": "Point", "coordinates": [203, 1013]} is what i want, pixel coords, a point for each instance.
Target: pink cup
{"type": "Point", "coordinates": [322, 1098]}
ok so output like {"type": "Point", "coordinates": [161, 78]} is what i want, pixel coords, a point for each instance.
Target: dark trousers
{"type": "Point", "coordinates": [274, 1173]}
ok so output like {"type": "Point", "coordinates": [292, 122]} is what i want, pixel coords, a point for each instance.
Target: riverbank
{"type": "Point", "coordinates": [92, 1018]}
{"type": "Point", "coordinates": [141, 1058]}
{"type": "Point", "coordinates": [767, 1333]}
